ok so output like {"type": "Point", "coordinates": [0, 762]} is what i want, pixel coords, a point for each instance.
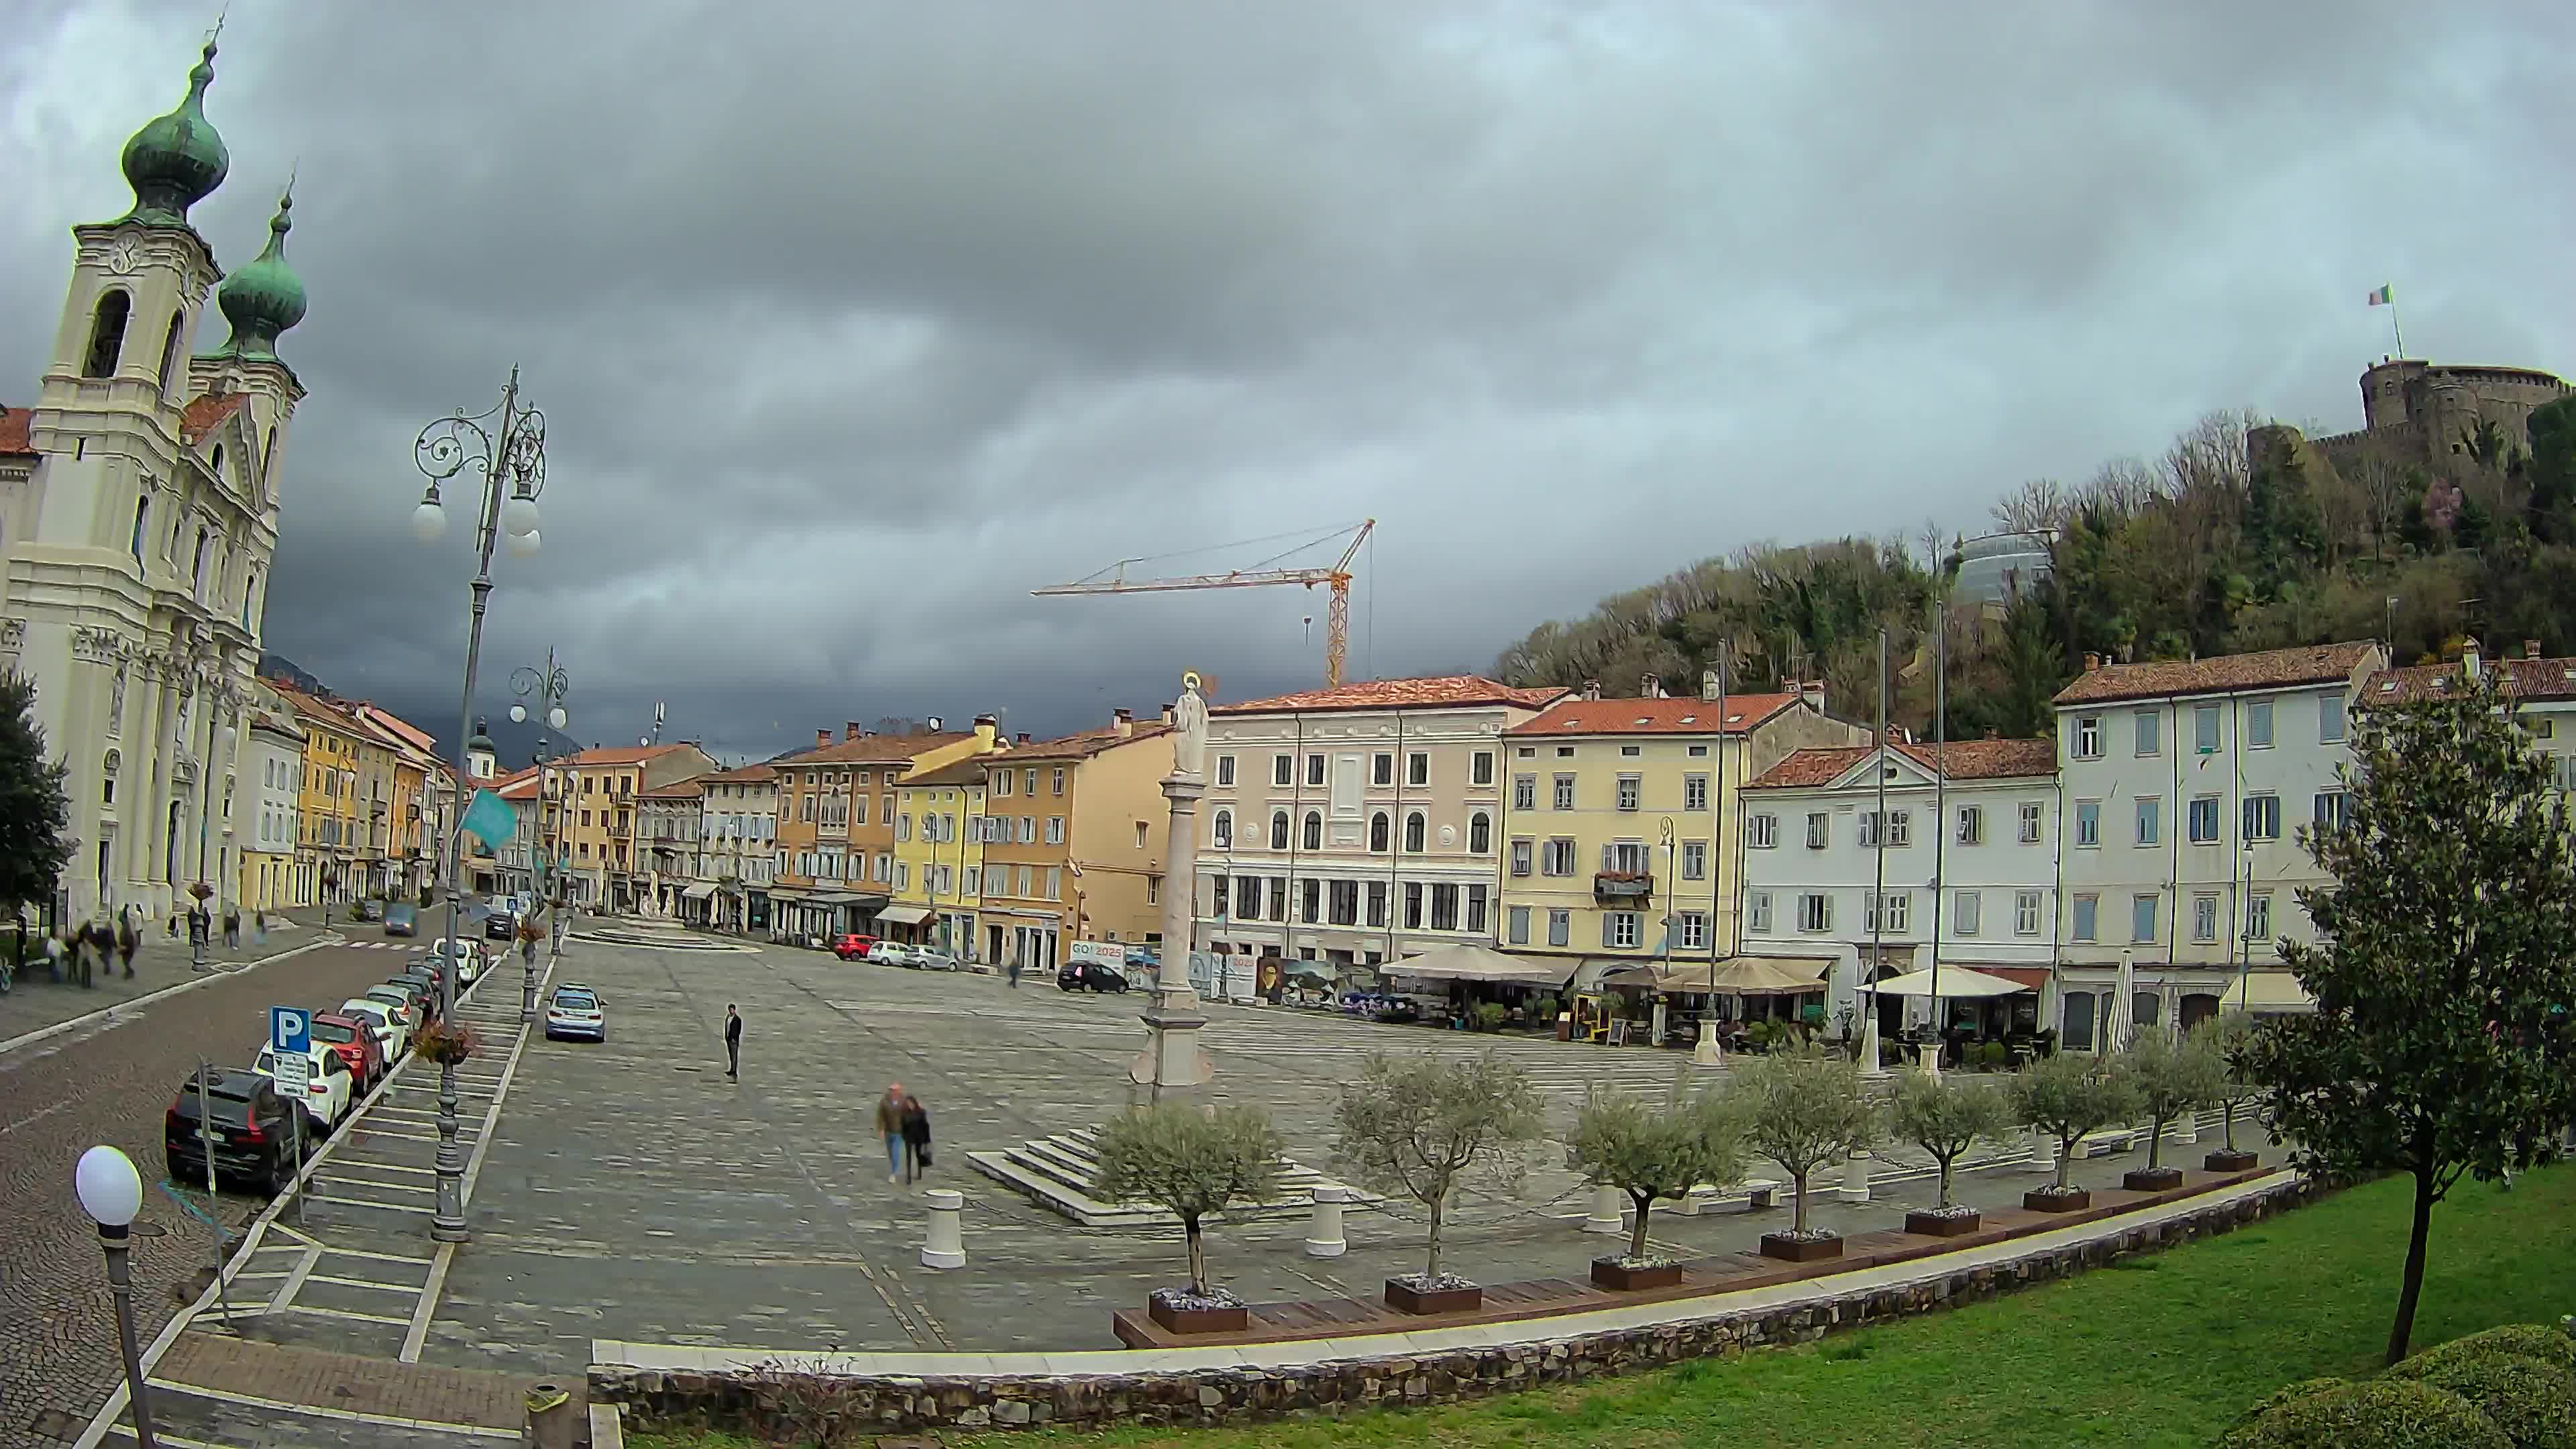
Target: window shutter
{"type": "Point", "coordinates": [1605, 928]}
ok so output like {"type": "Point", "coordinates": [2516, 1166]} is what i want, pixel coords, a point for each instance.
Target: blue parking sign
{"type": "Point", "coordinates": [290, 1029]}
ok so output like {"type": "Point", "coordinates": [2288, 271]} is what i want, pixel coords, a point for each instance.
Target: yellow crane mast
{"type": "Point", "coordinates": [1271, 570]}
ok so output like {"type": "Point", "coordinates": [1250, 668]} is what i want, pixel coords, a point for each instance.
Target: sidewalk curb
{"type": "Point", "coordinates": [108, 1014]}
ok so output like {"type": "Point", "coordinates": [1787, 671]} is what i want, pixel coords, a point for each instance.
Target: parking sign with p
{"type": "Point", "coordinates": [290, 1029]}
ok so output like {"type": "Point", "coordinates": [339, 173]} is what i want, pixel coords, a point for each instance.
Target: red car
{"type": "Point", "coordinates": [356, 1044]}
{"type": "Point", "coordinates": [853, 947]}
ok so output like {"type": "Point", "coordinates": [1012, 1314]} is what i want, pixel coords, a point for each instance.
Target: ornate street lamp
{"type": "Point", "coordinates": [505, 447]}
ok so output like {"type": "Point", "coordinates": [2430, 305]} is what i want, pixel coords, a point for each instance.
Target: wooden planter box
{"type": "Point", "coordinates": [1935, 1225]}
{"type": "Point", "coordinates": [2226, 1161]}
{"type": "Point", "coordinates": [1617, 1277]}
{"type": "Point", "coordinates": [1800, 1250]}
{"type": "Point", "coordinates": [1403, 1297]}
{"type": "Point", "coordinates": [2051, 1200]}
{"type": "Point", "coordinates": [1200, 1320]}
{"type": "Point", "coordinates": [2151, 1179]}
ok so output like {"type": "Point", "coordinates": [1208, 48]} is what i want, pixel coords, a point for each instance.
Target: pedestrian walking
{"type": "Point", "coordinates": [890, 1127]}
{"type": "Point", "coordinates": [916, 1138]}
{"type": "Point", "coordinates": [128, 941]}
{"type": "Point", "coordinates": [733, 1043]}
{"type": "Point", "coordinates": [1015, 970]}
{"type": "Point", "coordinates": [232, 928]}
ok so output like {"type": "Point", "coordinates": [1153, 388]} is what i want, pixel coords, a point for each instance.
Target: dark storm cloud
{"type": "Point", "coordinates": [853, 322]}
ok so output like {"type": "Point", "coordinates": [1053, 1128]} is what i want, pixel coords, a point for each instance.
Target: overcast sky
{"type": "Point", "coordinates": [853, 322]}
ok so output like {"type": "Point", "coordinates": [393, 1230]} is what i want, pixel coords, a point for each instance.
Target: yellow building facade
{"type": "Point", "coordinates": [1623, 843]}
{"type": "Point", "coordinates": [329, 826]}
{"type": "Point", "coordinates": [938, 854]}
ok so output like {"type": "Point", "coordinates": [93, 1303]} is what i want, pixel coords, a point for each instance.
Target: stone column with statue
{"type": "Point", "coordinates": [1172, 1060]}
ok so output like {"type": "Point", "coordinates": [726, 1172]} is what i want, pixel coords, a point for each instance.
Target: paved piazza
{"type": "Point", "coordinates": [629, 1191]}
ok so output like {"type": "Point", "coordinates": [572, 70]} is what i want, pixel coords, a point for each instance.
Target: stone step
{"type": "Point", "coordinates": [1060, 1180]}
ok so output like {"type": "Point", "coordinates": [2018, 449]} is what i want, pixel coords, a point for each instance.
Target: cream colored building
{"type": "Point", "coordinates": [738, 834]}
{"type": "Point", "coordinates": [1358, 825]}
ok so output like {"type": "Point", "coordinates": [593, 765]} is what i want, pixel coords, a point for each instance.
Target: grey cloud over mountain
{"type": "Point", "coordinates": [854, 322]}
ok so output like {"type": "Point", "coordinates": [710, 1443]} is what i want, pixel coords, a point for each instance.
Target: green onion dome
{"type": "Point", "coordinates": [177, 160]}
{"type": "Point", "coordinates": [263, 297]}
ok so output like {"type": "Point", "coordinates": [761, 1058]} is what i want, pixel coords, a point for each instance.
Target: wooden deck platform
{"type": "Point", "coordinates": [1715, 1276]}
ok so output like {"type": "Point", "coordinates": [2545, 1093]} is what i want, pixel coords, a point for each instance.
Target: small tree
{"type": "Point", "coordinates": [2171, 1077]}
{"type": "Point", "coordinates": [1945, 1116]}
{"type": "Point", "coordinates": [1419, 1126]}
{"type": "Point", "coordinates": [2443, 1044]}
{"type": "Point", "coordinates": [35, 816]}
{"type": "Point", "coordinates": [2230, 1038]}
{"type": "Point", "coordinates": [2067, 1096]}
{"type": "Point", "coordinates": [1802, 1108]}
{"type": "Point", "coordinates": [1191, 1163]}
{"type": "Point", "coordinates": [1621, 1142]}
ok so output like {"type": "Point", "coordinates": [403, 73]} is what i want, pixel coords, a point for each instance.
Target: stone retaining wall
{"type": "Point", "coordinates": [777, 1398]}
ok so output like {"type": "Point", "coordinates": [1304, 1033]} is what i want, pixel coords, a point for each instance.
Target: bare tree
{"type": "Point", "coordinates": [2039, 505]}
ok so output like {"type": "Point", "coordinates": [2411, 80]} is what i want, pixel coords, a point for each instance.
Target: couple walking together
{"type": "Point", "coordinates": [905, 1125]}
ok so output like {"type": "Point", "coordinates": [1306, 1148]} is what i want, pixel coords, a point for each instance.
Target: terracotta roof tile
{"type": "Point", "coordinates": [968, 771]}
{"type": "Point", "coordinates": [2270, 669]}
{"type": "Point", "coordinates": [207, 412]}
{"type": "Point", "coordinates": [622, 755]}
{"type": "Point", "coordinates": [1963, 759]}
{"type": "Point", "coordinates": [1446, 691]}
{"type": "Point", "coordinates": [678, 790]}
{"type": "Point", "coordinates": [747, 775]}
{"type": "Point", "coordinates": [1084, 744]}
{"type": "Point", "coordinates": [14, 442]}
{"type": "Point", "coordinates": [872, 749]}
{"type": "Point", "coordinates": [1654, 716]}
{"type": "Point", "coordinates": [2530, 679]}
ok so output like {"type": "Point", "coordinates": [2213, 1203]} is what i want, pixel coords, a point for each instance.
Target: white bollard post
{"type": "Point", "coordinates": [2043, 1152]}
{"type": "Point", "coordinates": [1609, 1205]}
{"type": "Point", "coordinates": [1856, 1178]}
{"type": "Point", "coordinates": [1324, 1230]}
{"type": "Point", "coordinates": [2188, 1128]}
{"type": "Point", "coordinates": [946, 1246]}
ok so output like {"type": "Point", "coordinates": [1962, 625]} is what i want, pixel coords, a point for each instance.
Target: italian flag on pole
{"type": "Point", "coordinates": [2384, 297]}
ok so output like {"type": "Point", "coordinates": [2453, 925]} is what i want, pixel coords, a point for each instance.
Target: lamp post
{"type": "Point", "coordinates": [548, 686]}
{"type": "Point", "coordinates": [111, 1192]}
{"type": "Point", "coordinates": [509, 457]}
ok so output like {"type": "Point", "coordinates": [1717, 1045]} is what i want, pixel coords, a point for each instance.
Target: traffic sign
{"type": "Point", "coordinates": [290, 1029]}
{"type": "Point", "coordinates": [294, 1073]}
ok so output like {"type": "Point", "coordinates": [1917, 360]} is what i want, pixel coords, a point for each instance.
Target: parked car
{"type": "Point", "coordinates": [431, 1007]}
{"type": "Point", "coordinates": [930, 959]}
{"type": "Point", "coordinates": [248, 1119]}
{"type": "Point", "coordinates": [368, 911]}
{"type": "Point", "coordinates": [392, 1027]}
{"type": "Point", "coordinates": [329, 1090]}
{"type": "Point", "coordinates": [357, 1045]}
{"type": "Point", "coordinates": [853, 947]}
{"type": "Point", "coordinates": [405, 1002]}
{"type": "Point", "coordinates": [501, 926]}
{"type": "Point", "coordinates": [576, 1011]}
{"type": "Point", "coordinates": [1090, 976]}
{"type": "Point", "coordinates": [401, 920]}
{"type": "Point", "coordinates": [894, 953]}
{"type": "Point", "coordinates": [469, 955]}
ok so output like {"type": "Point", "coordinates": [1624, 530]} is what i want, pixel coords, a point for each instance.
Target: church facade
{"type": "Point", "coordinates": [138, 513]}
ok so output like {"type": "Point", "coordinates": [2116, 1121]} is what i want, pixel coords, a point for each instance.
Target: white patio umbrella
{"type": "Point", "coordinates": [2123, 1016]}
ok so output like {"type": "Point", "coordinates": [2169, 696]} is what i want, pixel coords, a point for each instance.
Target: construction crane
{"type": "Point", "coordinates": [1271, 570]}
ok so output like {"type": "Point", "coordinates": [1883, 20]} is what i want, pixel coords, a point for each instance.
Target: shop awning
{"type": "Point", "coordinates": [1477, 963]}
{"type": "Point", "coordinates": [2031, 978]}
{"type": "Point", "coordinates": [1735, 976]}
{"type": "Point", "coordinates": [698, 892]}
{"type": "Point", "coordinates": [1957, 983]}
{"type": "Point", "coordinates": [2267, 991]}
{"type": "Point", "coordinates": [903, 915]}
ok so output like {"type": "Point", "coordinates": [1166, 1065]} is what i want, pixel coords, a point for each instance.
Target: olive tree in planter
{"type": "Point", "coordinates": [2227, 1037]}
{"type": "Point", "coordinates": [1619, 1141]}
{"type": "Point", "coordinates": [1946, 1116]}
{"type": "Point", "coordinates": [1191, 1162]}
{"type": "Point", "coordinates": [2171, 1077]}
{"type": "Point", "coordinates": [1421, 1126]}
{"type": "Point", "coordinates": [1803, 1108]}
{"type": "Point", "coordinates": [2067, 1096]}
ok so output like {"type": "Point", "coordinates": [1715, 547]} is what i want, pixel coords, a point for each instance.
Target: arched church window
{"type": "Point", "coordinates": [107, 333]}
{"type": "Point", "coordinates": [107, 791]}
{"type": "Point", "coordinates": [197, 575]}
{"type": "Point", "coordinates": [170, 353]}
{"type": "Point", "coordinates": [142, 513]}
{"type": "Point", "coordinates": [218, 469]}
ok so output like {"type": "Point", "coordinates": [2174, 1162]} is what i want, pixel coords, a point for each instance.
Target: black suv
{"type": "Point", "coordinates": [1090, 976]}
{"type": "Point", "coordinates": [254, 1138]}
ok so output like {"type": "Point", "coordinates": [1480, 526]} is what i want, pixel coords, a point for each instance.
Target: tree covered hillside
{"type": "Point", "coordinates": [2238, 537]}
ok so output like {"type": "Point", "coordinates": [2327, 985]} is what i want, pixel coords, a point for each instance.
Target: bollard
{"type": "Point", "coordinates": [1324, 1230]}
{"type": "Point", "coordinates": [946, 1247]}
{"type": "Point", "coordinates": [2187, 1127]}
{"type": "Point", "coordinates": [1608, 1208]}
{"type": "Point", "coordinates": [1856, 1178]}
{"type": "Point", "coordinates": [550, 1419]}
{"type": "Point", "coordinates": [2043, 1152]}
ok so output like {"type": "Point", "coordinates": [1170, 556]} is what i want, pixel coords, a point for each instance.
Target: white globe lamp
{"type": "Point", "coordinates": [519, 517]}
{"type": "Point", "coordinates": [110, 1190]}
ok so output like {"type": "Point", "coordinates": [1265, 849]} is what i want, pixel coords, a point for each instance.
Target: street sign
{"type": "Point", "coordinates": [294, 1073]}
{"type": "Point", "coordinates": [290, 1029]}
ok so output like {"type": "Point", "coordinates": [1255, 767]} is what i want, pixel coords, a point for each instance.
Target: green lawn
{"type": "Point", "coordinates": [2160, 1350]}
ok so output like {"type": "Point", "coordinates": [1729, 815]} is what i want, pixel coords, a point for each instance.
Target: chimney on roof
{"type": "Point", "coordinates": [988, 730]}
{"type": "Point", "coordinates": [822, 738]}
{"type": "Point", "coordinates": [2469, 659]}
{"type": "Point", "coordinates": [934, 722]}
{"type": "Point", "coordinates": [2530, 648]}
{"type": "Point", "coordinates": [1168, 716]}
{"type": "Point", "coordinates": [850, 730]}
{"type": "Point", "coordinates": [1122, 722]}
{"type": "Point", "coordinates": [1021, 738]}
{"type": "Point", "coordinates": [1592, 689]}
{"type": "Point", "coordinates": [1651, 687]}
{"type": "Point", "coordinates": [1708, 686]}
{"type": "Point", "coordinates": [2092, 661]}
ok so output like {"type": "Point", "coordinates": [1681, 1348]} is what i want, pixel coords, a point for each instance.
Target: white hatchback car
{"type": "Point", "coordinates": [392, 1032]}
{"type": "Point", "coordinates": [329, 1092]}
{"type": "Point", "coordinates": [468, 955]}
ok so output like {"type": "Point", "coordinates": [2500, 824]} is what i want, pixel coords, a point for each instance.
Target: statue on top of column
{"type": "Point", "coordinates": [1190, 719]}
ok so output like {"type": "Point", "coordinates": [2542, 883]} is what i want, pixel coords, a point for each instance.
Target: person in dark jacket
{"type": "Point", "coordinates": [916, 1138]}
{"type": "Point", "coordinates": [128, 941]}
{"type": "Point", "coordinates": [733, 1043]}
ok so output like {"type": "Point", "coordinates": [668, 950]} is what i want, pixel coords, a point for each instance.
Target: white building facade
{"type": "Point", "coordinates": [1963, 871]}
{"type": "Point", "coordinates": [737, 858]}
{"type": "Point", "coordinates": [2184, 784]}
{"type": "Point", "coordinates": [1343, 824]}
{"type": "Point", "coordinates": [138, 513]}
{"type": "Point", "coordinates": [273, 762]}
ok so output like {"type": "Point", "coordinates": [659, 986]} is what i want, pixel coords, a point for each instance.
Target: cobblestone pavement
{"type": "Point", "coordinates": [36, 1002]}
{"type": "Point", "coordinates": [632, 1192]}
{"type": "Point", "coordinates": [110, 1082]}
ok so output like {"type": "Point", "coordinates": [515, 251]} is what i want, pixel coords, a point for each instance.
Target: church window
{"type": "Point", "coordinates": [170, 352]}
{"type": "Point", "coordinates": [218, 469]}
{"type": "Point", "coordinates": [197, 576]}
{"type": "Point", "coordinates": [142, 514]}
{"type": "Point", "coordinates": [107, 333]}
